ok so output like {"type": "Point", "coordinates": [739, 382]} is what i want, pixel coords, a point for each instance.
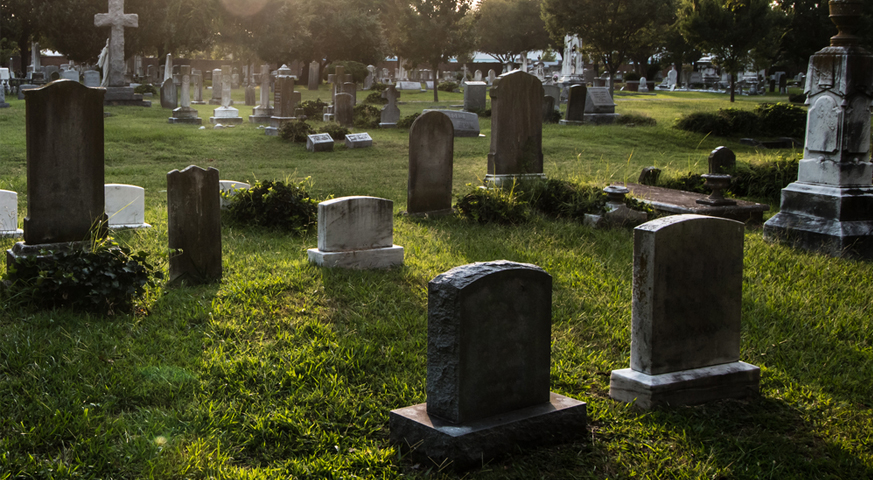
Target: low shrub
{"type": "Point", "coordinates": [376, 97]}
{"type": "Point", "coordinates": [632, 77]}
{"type": "Point", "coordinates": [492, 205]}
{"type": "Point", "coordinates": [357, 70]}
{"type": "Point", "coordinates": [312, 108]}
{"type": "Point", "coordinates": [447, 86]}
{"type": "Point", "coordinates": [335, 130]}
{"type": "Point", "coordinates": [378, 87]}
{"type": "Point", "coordinates": [145, 88]}
{"type": "Point", "coordinates": [797, 98]}
{"type": "Point", "coordinates": [768, 120]}
{"type": "Point", "coordinates": [296, 131]}
{"type": "Point", "coordinates": [106, 279]}
{"type": "Point", "coordinates": [407, 121]}
{"type": "Point", "coordinates": [366, 116]}
{"type": "Point", "coordinates": [781, 119]}
{"type": "Point", "coordinates": [553, 117]}
{"type": "Point", "coordinates": [563, 199]}
{"type": "Point", "coordinates": [284, 206]}
{"type": "Point", "coordinates": [636, 119]}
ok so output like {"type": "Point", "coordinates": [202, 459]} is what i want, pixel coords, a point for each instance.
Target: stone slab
{"type": "Point", "coordinates": [687, 387]}
{"type": "Point", "coordinates": [355, 223]}
{"type": "Point", "coordinates": [678, 202]}
{"type": "Point", "coordinates": [475, 96]}
{"type": "Point", "coordinates": [229, 188]}
{"type": "Point", "coordinates": [466, 124]}
{"type": "Point", "coordinates": [358, 259]}
{"type": "Point", "coordinates": [431, 162]}
{"type": "Point", "coordinates": [125, 206]}
{"type": "Point", "coordinates": [319, 142]}
{"type": "Point", "coordinates": [599, 100]}
{"type": "Point", "coordinates": [409, 86]}
{"type": "Point", "coordinates": [432, 440]}
{"type": "Point", "coordinates": [9, 214]}
{"type": "Point", "coordinates": [359, 140]}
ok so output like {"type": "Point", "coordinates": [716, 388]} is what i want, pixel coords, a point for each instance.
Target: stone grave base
{"type": "Point", "coordinates": [216, 101]}
{"type": "Point", "coordinates": [186, 120]}
{"type": "Point", "coordinates": [387, 125]}
{"type": "Point", "coordinates": [688, 387]}
{"type": "Point", "coordinates": [21, 249]}
{"type": "Point", "coordinates": [124, 96]}
{"type": "Point", "coordinates": [570, 122]}
{"type": "Point", "coordinates": [362, 259]}
{"type": "Point", "coordinates": [4, 105]}
{"type": "Point", "coordinates": [277, 122]}
{"type": "Point", "coordinates": [433, 214]}
{"type": "Point", "coordinates": [800, 223]}
{"type": "Point", "coordinates": [600, 118]}
{"type": "Point", "coordinates": [198, 102]}
{"type": "Point", "coordinates": [262, 119]}
{"type": "Point", "coordinates": [507, 179]}
{"type": "Point", "coordinates": [134, 226]}
{"type": "Point", "coordinates": [678, 202]}
{"type": "Point", "coordinates": [430, 439]}
{"type": "Point", "coordinates": [226, 120]}
{"type": "Point", "coordinates": [11, 233]}
{"type": "Point", "coordinates": [261, 115]}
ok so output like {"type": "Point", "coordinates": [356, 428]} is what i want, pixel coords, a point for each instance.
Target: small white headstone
{"type": "Point", "coordinates": [356, 232]}
{"type": "Point", "coordinates": [125, 206]}
{"type": "Point", "coordinates": [358, 140]}
{"type": "Point", "coordinates": [92, 78]}
{"type": "Point", "coordinates": [320, 142]}
{"type": "Point", "coordinates": [599, 101]}
{"type": "Point", "coordinates": [408, 86]}
{"type": "Point", "coordinates": [229, 188]}
{"type": "Point", "coordinates": [9, 214]}
{"type": "Point", "coordinates": [70, 75]}
{"type": "Point", "coordinates": [466, 124]}
{"type": "Point", "coordinates": [644, 85]}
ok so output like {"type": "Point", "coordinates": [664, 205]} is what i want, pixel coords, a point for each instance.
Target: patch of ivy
{"type": "Point", "coordinates": [279, 205]}
{"type": "Point", "coordinates": [296, 131]}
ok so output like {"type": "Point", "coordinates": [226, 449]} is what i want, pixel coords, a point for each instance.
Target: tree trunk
{"type": "Point", "coordinates": [436, 91]}
{"type": "Point", "coordinates": [732, 87]}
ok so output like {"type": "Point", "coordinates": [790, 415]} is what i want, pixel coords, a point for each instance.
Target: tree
{"type": "Point", "coordinates": [18, 27]}
{"type": "Point", "coordinates": [728, 29]}
{"type": "Point", "coordinates": [171, 26]}
{"type": "Point", "coordinates": [507, 28]}
{"type": "Point", "coordinates": [432, 32]}
{"type": "Point", "coordinates": [612, 30]}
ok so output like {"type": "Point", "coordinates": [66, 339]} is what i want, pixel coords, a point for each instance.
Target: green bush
{"type": "Point", "coordinates": [447, 86]}
{"type": "Point", "coordinates": [378, 87]}
{"type": "Point", "coordinates": [284, 206]}
{"type": "Point", "coordinates": [312, 108]}
{"type": "Point", "coordinates": [553, 117]}
{"type": "Point", "coordinates": [357, 70]}
{"type": "Point", "coordinates": [366, 116]}
{"type": "Point", "coordinates": [376, 97]}
{"type": "Point", "coordinates": [632, 77]}
{"type": "Point", "coordinates": [107, 279]}
{"type": "Point", "coordinates": [781, 119]}
{"type": "Point", "coordinates": [335, 130]}
{"type": "Point", "coordinates": [636, 119]}
{"type": "Point", "coordinates": [296, 131]}
{"type": "Point", "coordinates": [492, 205]}
{"type": "Point", "coordinates": [406, 122]}
{"type": "Point", "coordinates": [797, 98]}
{"type": "Point", "coordinates": [145, 88]}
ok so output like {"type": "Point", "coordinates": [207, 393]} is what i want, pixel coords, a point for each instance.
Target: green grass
{"type": "Point", "coordinates": [284, 370]}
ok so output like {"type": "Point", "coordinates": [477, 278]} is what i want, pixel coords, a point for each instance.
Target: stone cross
{"type": "Point", "coordinates": [117, 19]}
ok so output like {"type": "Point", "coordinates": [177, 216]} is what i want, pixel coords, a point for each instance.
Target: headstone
{"type": "Point", "coordinates": [830, 207]}
{"type": "Point", "coordinates": [578, 95]}
{"type": "Point", "coordinates": [216, 87]}
{"type": "Point", "coordinates": [3, 103]}
{"type": "Point", "coordinates": [722, 160]}
{"type": "Point", "coordinates": [314, 79]}
{"type": "Point", "coordinates": [359, 140]}
{"type": "Point", "coordinates": [197, 78]}
{"type": "Point", "coordinates": [286, 104]}
{"type": "Point", "coordinates": [319, 142]}
{"type": "Point", "coordinates": [548, 109]}
{"type": "Point", "coordinates": [431, 156]}
{"type": "Point", "coordinates": [70, 75]}
{"type": "Point", "coordinates": [344, 110]}
{"type": "Point", "coordinates": [351, 88]}
{"type": "Point", "coordinates": [553, 91]}
{"type": "Point", "coordinates": [356, 232]}
{"type": "Point", "coordinates": [234, 79]}
{"type": "Point", "coordinates": [225, 114]}
{"type": "Point", "coordinates": [250, 95]}
{"type": "Point", "coordinates": [466, 124]}
{"type": "Point", "coordinates": [9, 214]}
{"type": "Point", "coordinates": [64, 166]}
{"type": "Point", "coordinates": [672, 77]}
{"type": "Point", "coordinates": [263, 112]}
{"type": "Point", "coordinates": [644, 85]}
{"type": "Point", "coordinates": [194, 225]}
{"type": "Point", "coordinates": [23, 88]}
{"type": "Point", "coordinates": [168, 94]}
{"type": "Point", "coordinates": [228, 189]}
{"type": "Point", "coordinates": [488, 369]}
{"type": "Point", "coordinates": [125, 206]}
{"type": "Point", "coordinates": [390, 112]}
{"type": "Point", "coordinates": [185, 113]}
{"type": "Point", "coordinates": [371, 77]}
{"type": "Point", "coordinates": [649, 176]}
{"type": "Point", "coordinates": [783, 84]}
{"type": "Point", "coordinates": [151, 74]}
{"type": "Point", "coordinates": [408, 85]}
{"type": "Point", "coordinates": [599, 106]}
{"type": "Point", "coordinates": [687, 307]}
{"type": "Point", "coordinates": [491, 76]}
{"type": "Point", "coordinates": [516, 128]}
{"type": "Point", "coordinates": [474, 96]}
{"type": "Point", "coordinates": [477, 76]}
{"type": "Point", "coordinates": [92, 78]}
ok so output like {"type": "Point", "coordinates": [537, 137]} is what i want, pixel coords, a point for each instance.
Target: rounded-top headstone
{"type": "Point", "coordinates": [722, 160]}
{"type": "Point", "coordinates": [431, 154]}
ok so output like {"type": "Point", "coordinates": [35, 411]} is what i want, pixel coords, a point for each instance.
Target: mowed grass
{"type": "Point", "coordinates": [284, 370]}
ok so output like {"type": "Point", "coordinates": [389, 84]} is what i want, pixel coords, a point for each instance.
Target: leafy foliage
{"type": "Point", "coordinates": [781, 119]}
{"type": "Point", "coordinates": [145, 88]}
{"type": "Point", "coordinates": [296, 131]}
{"type": "Point", "coordinates": [447, 86]}
{"type": "Point", "coordinates": [278, 205]}
{"type": "Point", "coordinates": [528, 30]}
{"type": "Point", "coordinates": [312, 108]}
{"type": "Point", "coordinates": [406, 122]}
{"type": "Point", "coordinates": [768, 119]}
{"type": "Point", "coordinates": [636, 119]}
{"type": "Point", "coordinates": [376, 97]}
{"type": "Point", "coordinates": [493, 205]}
{"type": "Point", "coordinates": [366, 116]}
{"type": "Point", "coordinates": [357, 70]}
{"type": "Point", "coordinates": [335, 130]}
{"type": "Point", "coordinates": [761, 180]}
{"type": "Point", "coordinates": [106, 279]}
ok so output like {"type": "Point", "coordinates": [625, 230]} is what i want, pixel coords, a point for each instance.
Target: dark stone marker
{"type": "Point", "coordinates": [488, 354]}
{"type": "Point", "coordinates": [548, 109]}
{"type": "Point", "coordinates": [168, 94]}
{"type": "Point", "coordinates": [722, 160]}
{"type": "Point", "coordinates": [431, 157]}
{"type": "Point", "coordinates": [687, 304]}
{"type": "Point", "coordinates": [576, 103]}
{"type": "Point", "coordinates": [250, 95]}
{"type": "Point", "coordinates": [194, 225]}
{"type": "Point", "coordinates": [390, 112]}
{"type": "Point", "coordinates": [344, 109]}
{"type": "Point", "coordinates": [516, 125]}
{"type": "Point", "coordinates": [649, 176]}
{"type": "Point", "coordinates": [64, 162]}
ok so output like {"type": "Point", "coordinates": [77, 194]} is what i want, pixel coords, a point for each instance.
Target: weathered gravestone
{"type": "Point", "coordinates": [125, 206]}
{"type": "Point", "coordinates": [250, 95]}
{"type": "Point", "coordinates": [576, 99]}
{"type": "Point", "coordinates": [225, 114]}
{"type": "Point", "coordinates": [644, 85]}
{"type": "Point", "coordinates": [390, 112]}
{"type": "Point", "coordinates": [553, 91]}
{"type": "Point", "coordinates": [830, 206]}
{"type": "Point", "coordinates": [64, 125]}
{"type": "Point", "coordinates": [722, 160]}
{"type": "Point", "coordinates": [185, 113]}
{"type": "Point", "coordinates": [351, 88]}
{"type": "Point", "coordinates": [151, 74]}
{"type": "Point", "coordinates": [431, 158]}
{"type": "Point", "coordinates": [599, 106]}
{"type": "Point", "coordinates": [344, 109]}
{"type": "Point", "coordinates": [408, 85]}
{"type": "Point", "coordinates": [286, 103]}
{"type": "Point", "coordinates": [92, 78]}
{"type": "Point", "coordinates": [228, 189]}
{"type": "Point", "coordinates": [216, 88]}
{"type": "Point", "coordinates": [516, 128]}
{"type": "Point", "coordinates": [474, 96]}
{"type": "Point", "coordinates": [549, 112]}
{"type": "Point", "coordinates": [319, 142]}
{"type": "Point", "coordinates": [194, 225]}
{"type": "Point", "coordinates": [358, 140]}
{"type": "Point", "coordinates": [70, 75]}
{"type": "Point", "coordinates": [263, 112]}
{"type": "Point", "coordinates": [466, 124]}
{"type": "Point", "coordinates": [9, 214]}
{"type": "Point", "coordinates": [314, 79]}
{"type": "Point", "coordinates": [168, 94]}
{"type": "Point", "coordinates": [197, 78]}
{"type": "Point", "coordinates": [118, 91]}
{"type": "Point", "coordinates": [488, 364]}
{"type": "Point", "coordinates": [687, 306]}
{"type": "Point", "coordinates": [3, 103]}
{"type": "Point", "coordinates": [356, 232]}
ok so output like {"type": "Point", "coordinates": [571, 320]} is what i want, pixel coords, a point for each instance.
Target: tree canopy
{"type": "Point", "coordinates": [507, 28]}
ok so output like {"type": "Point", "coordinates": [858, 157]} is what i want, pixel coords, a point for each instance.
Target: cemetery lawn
{"type": "Point", "coordinates": [285, 370]}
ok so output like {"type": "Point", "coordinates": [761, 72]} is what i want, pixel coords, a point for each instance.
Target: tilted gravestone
{"type": "Point", "coordinates": [9, 214]}
{"type": "Point", "coordinates": [64, 124]}
{"type": "Point", "coordinates": [356, 232]}
{"type": "Point", "coordinates": [516, 128]}
{"type": "Point", "coordinates": [168, 94]}
{"type": "Point", "coordinates": [578, 94]}
{"type": "Point", "coordinates": [474, 96]}
{"type": "Point", "coordinates": [125, 206]}
{"type": "Point", "coordinates": [194, 225]}
{"type": "Point", "coordinates": [431, 157]}
{"type": "Point", "coordinates": [488, 365]}
{"type": "Point", "coordinates": [319, 142]}
{"type": "Point", "coordinates": [687, 306]}
{"type": "Point", "coordinates": [228, 189]}
{"type": "Point", "coordinates": [390, 112]}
